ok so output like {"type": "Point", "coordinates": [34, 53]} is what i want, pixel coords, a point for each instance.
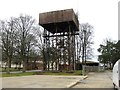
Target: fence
{"type": "Point", "coordinates": [87, 69]}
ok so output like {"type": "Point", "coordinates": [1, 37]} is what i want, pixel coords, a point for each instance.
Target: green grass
{"type": "Point", "coordinates": [78, 72]}
{"type": "Point", "coordinates": [5, 70]}
{"type": "Point", "coordinates": [17, 74]}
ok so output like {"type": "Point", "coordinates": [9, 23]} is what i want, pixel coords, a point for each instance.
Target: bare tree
{"type": "Point", "coordinates": [8, 38]}
{"type": "Point", "coordinates": [39, 33]}
{"type": "Point", "coordinates": [24, 26]}
{"type": "Point", "coordinates": [86, 36]}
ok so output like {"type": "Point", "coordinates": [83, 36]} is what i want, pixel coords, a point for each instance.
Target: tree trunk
{"type": "Point", "coordinates": [19, 66]}
{"type": "Point", "coordinates": [48, 66]}
{"type": "Point", "coordinates": [24, 66]}
{"type": "Point", "coordinates": [52, 66]}
{"type": "Point", "coordinates": [56, 65]}
{"type": "Point", "coordinates": [9, 65]}
{"type": "Point", "coordinates": [8, 68]}
{"type": "Point", "coordinates": [110, 65]}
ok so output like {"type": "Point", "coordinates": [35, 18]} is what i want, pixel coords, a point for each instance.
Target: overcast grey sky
{"type": "Point", "coordinates": [101, 14]}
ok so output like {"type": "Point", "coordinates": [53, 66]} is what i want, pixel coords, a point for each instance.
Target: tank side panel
{"type": "Point", "coordinates": [56, 16]}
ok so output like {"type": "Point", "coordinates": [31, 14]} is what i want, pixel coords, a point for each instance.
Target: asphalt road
{"type": "Point", "coordinates": [40, 81]}
{"type": "Point", "coordinates": [97, 80]}
{"type": "Point", "coordinates": [94, 80]}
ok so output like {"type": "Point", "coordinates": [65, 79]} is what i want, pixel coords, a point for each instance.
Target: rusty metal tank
{"type": "Point", "coordinates": [59, 21]}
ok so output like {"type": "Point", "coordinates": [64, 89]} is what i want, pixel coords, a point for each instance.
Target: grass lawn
{"type": "Point", "coordinates": [78, 72]}
{"type": "Point", "coordinates": [17, 74]}
{"type": "Point", "coordinates": [5, 70]}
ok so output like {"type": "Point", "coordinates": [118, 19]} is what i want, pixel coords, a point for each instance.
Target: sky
{"type": "Point", "coordinates": [101, 14]}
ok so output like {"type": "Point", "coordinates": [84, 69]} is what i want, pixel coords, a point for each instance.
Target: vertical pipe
{"type": "Point", "coordinates": [48, 50]}
{"type": "Point", "coordinates": [44, 56]}
{"type": "Point", "coordinates": [61, 43]}
{"type": "Point", "coordinates": [64, 49]}
{"type": "Point", "coordinates": [74, 54]}
{"type": "Point", "coordinates": [69, 48]}
{"type": "Point", "coordinates": [56, 49]}
{"type": "Point", "coordinates": [52, 58]}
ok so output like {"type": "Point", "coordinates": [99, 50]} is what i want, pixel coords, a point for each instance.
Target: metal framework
{"type": "Point", "coordinates": [60, 30]}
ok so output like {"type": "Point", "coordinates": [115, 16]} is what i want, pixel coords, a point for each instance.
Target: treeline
{"type": "Point", "coordinates": [19, 37]}
{"type": "Point", "coordinates": [110, 52]}
{"type": "Point", "coordinates": [22, 42]}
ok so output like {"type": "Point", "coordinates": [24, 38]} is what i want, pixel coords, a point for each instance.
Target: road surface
{"type": "Point", "coordinates": [39, 81]}
{"type": "Point", "coordinates": [97, 80]}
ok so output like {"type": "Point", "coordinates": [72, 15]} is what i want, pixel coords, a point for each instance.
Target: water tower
{"type": "Point", "coordinates": [60, 29]}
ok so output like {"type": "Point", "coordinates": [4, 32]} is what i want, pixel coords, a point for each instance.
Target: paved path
{"type": "Point", "coordinates": [26, 71]}
{"type": "Point", "coordinates": [97, 80]}
{"type": "Point", "coordinates": [39, 81]}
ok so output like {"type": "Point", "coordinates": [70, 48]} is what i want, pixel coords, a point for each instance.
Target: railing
{"type": "Point", "coordinates": [87, 69]}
